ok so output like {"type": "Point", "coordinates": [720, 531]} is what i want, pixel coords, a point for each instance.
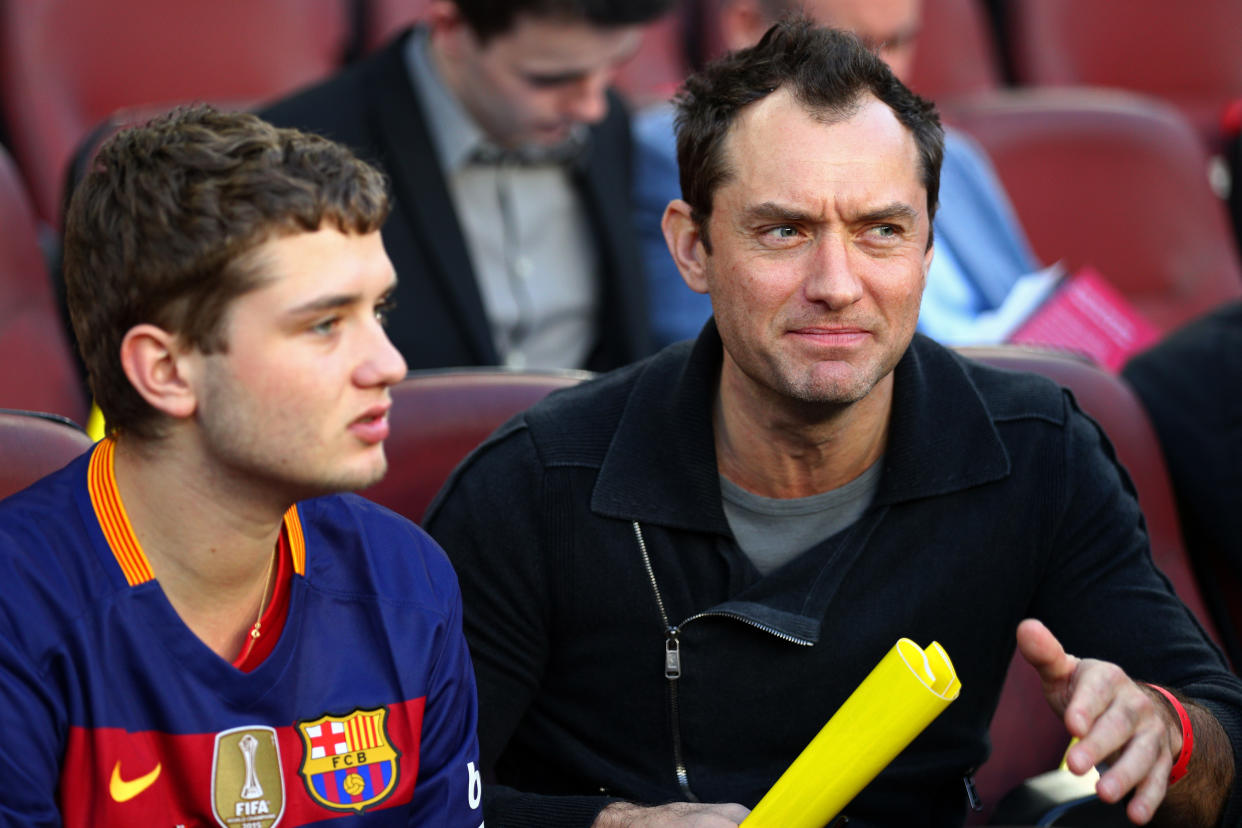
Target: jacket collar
{"type": "Point", "coordinates": [421, 191]}
{"type": "Point", "coordinates": [661, 465]}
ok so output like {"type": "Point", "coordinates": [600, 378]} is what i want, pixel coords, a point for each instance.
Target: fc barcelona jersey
{"type": "Point", "coordinates": [113, 713]}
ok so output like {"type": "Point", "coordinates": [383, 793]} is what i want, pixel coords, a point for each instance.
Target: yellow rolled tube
{"type": "Point", "coordinates": [909, 688]}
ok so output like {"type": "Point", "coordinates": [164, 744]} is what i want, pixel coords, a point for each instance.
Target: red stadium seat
{"type": "Point", "coordinates": [37, 371]}
{"type": "Point", "coordinates": [67, 64]}
{"type": "Point", "coordinates": [33, 445]}
{"type": "Point", "coordinates": [438, 417]}
{"type": "Point", "coordinates": [1118, 182]}
{"type": "Point", "coordinates": [956, 53]}
{"type": "Point", "coordinates": [1187, 54]}
{"type": "Point", "coordinates": [1027, 738]}
{"type": "Point", "coordinates": [382, 19]}
{"type": "Point", "coordinates": [660, 65]}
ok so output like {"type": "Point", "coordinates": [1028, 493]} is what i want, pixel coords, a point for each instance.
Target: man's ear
{"type": "Point", "coordinates": [446, 25]}
{"type": "Point", "coordinates": [160, 367]}
{"type": "Point", "coordinates": [685, 243]}
{"type": "Point", "coordinates": [927, 261]}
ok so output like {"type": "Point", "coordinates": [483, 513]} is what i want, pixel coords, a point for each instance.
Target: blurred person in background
{"type": "Point", "coordinates": [510, 159]}
{"type": "Point", "coordinates": [1191, 385]}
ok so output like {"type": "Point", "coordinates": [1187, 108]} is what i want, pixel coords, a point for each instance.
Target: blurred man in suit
{"type": "Point", "coordinates": [510, 161]}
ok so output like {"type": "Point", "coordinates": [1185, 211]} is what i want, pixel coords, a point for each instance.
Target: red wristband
{"type": "Point", "coordinates": [1188, 735]}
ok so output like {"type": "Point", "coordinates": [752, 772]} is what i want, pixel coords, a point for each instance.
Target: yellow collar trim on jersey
{"type": "Point", "coordinates": [110, 512]}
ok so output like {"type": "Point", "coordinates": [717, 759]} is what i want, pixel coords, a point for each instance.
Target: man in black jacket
{"type": "Point", "coordinates": [673, 575]}
{"type": "Point", "coordinates": [509, 158]}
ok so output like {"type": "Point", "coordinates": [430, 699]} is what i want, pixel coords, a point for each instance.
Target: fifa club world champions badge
{"type": "Point", "coordinates": [247, 786]}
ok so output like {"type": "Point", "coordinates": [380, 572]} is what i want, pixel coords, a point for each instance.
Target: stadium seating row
{"type": "Point", "coordinates": [1098, 178]}
{"type": "Point", "coordinates": [37, 371]}
{"type": "Point", "coordinates": [67, 64]}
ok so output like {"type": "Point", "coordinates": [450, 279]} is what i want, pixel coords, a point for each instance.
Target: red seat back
{"type": "Point", "coordinates": [37, 371]}
{"type": "Point", "coordinates": [956, 52]}
{"type": "Point", "coordinates": [33, 445]}
{"type": "Point", "coordinates": [1027, 739]}
{"type": "Point", "coordinates": [67, 64]}
{"type": "Point", "coordinates": [1187, 54]}
{"type": "Point", "coordinates": [383, 19]}
{"type": "Point", "coordinates": [438, 417]}
{"type": "Point", "coordinates": [1118, 182]}
{"type": "Point", "coordinates": [660, 65]}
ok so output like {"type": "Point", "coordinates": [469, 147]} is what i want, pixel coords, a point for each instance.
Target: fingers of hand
{"type": "Point", "coordinates": [1145, 758]}
{"type": "Point", "coordinates": [1150, 792]}
{"type": "Point", "coordinates": [692, 815]}
{"type": "Point", "coordinates": [1044, 652]}
{"type": "Point", "coordinates": [1123, 723]}
{"type": "Point", "coordinates": [1102, 709]}
{"type": "Point", "coordinates": [719, 815]}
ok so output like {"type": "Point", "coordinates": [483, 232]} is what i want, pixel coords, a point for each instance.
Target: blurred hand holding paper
{"type": "Point", "coordinates": [903, 694]}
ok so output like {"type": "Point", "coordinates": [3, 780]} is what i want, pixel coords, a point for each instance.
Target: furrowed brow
{"type": "Point", "coordinates": [771, 211]}
{"type": "Point", "coordinates": [890, 212]}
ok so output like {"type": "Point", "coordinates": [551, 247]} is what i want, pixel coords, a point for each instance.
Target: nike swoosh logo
{"type": "Point", "coordinates": [122, 790]}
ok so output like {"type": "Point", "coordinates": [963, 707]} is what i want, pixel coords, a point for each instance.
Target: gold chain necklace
{"type": "Point", "coordinates": [256, 631]}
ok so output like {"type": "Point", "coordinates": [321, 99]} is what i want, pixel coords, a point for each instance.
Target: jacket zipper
{"type": "Point", "coordinates": [672, 659]}
{"type": "Point", "coordinates": [672, 671]}
{"type": "Point", "coordinates": [972, 793]}
{"type": "Point", "coordinates": [772, 631]}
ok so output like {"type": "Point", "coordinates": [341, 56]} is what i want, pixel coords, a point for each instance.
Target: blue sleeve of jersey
{"type": "Point", "coordinates": [32, 741]}
{"type": "Point", "coordinates": [450, 786]}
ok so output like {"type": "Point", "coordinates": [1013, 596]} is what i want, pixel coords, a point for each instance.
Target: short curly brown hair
{"type": "Point", "coordinates": [159, 229]}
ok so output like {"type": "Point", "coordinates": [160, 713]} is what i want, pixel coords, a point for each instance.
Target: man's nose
{"type": "Point", "coordinates": [586, 102]}
{"type": "Point", "coordinates": [382, 363]}
{"type": "Point", "coordinates": [831, 278]}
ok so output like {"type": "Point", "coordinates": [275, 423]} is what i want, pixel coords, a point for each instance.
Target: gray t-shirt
{"type": "Point", "coordinates": [773, 531]}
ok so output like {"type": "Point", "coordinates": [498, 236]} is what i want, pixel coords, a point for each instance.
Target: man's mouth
{"type": "Point", "coordinates": [372, 427]}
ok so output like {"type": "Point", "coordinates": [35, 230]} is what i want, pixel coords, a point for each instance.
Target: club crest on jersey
{"type": "Point", "coordinates": [348, 762]}
{"type": "Point", "coordinates": [247, 785]}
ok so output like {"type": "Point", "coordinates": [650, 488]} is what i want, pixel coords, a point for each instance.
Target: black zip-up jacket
{"type": "Point", "coordinates": [998, 500]}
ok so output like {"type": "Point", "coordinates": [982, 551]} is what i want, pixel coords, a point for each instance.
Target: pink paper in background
{"type": "Point", "coordinates": [1087, 315]}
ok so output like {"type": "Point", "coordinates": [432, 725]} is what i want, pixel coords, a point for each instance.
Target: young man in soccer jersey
{"type": "Point", "coordinates": [195, 629]}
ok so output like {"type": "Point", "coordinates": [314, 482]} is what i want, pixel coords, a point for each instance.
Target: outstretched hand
{"type": "Point", "coordinates": [675, 815]}
{"type": "Point", "coordinates": [1115, 720]}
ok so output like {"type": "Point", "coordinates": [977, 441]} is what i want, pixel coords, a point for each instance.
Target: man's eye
{"type": "Point", "coordinates": [551, 81]}
{"type": "Point", "coordinates": [783, 231]}
{"type": "Point", "coordinates": [885, 231]}
{"type": "Point", "coordinates": [325, 326]}
{"type": "Point", "coordinates": [383, 309]}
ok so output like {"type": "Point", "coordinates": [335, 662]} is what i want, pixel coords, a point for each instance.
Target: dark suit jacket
{"type": "Point", "coordinates": [439, 320]}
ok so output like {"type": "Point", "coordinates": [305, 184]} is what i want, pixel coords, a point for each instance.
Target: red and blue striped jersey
{"type": "Point", "coordinates": [113, 713]}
